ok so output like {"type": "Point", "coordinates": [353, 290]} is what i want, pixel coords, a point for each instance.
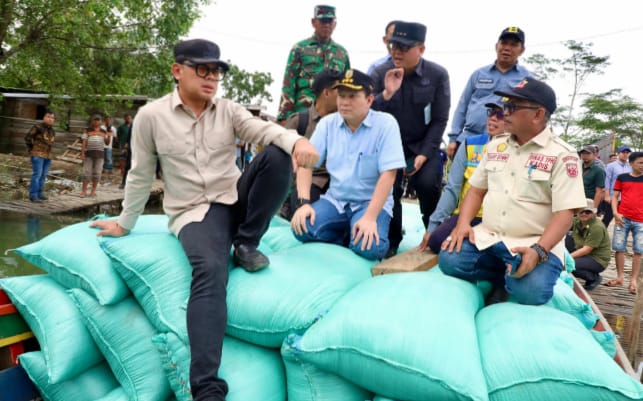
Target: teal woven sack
{"type": "Point", "coordinates": [566, 300]}
{"type": "Point", "coordinates": [118, 394]}
{"type": "Point", "coordinates": [407, 336]}
{"type": "Point", "coordinates": [252, 373]}
{"type": "Point", "coordinates": [536, 353]}
{"type": "Point", "coordinates": [67, 346]}
{"type": "Point", "coordinates": [124, 336]}
{"type": "Point", "coordinates": [306, 382]}
{"type": "Point", "coordinates": [74, 259]}
{"type": "Point", "coordinates": [300, 285]}
{"type": "Point", "coordinates": [91, 385]}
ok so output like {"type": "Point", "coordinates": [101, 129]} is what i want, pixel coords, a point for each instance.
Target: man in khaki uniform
{"type": "Point", "coordinates": [530, 186]}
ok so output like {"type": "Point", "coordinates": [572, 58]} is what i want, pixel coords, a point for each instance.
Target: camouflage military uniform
{"type": "Point", "coordinates": [306, 59]}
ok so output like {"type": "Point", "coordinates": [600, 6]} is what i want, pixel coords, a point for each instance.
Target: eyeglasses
{"type": "Point", "coordinates": [586, 212]}
{"type": "Point", "coordinates": [399, 46]}
{"type": "Point", "coordinates": [499, 114]}
{"type": "Point", "coordinates": [203, 70]}
{"type": "Point", "coordinates": [511, 108]}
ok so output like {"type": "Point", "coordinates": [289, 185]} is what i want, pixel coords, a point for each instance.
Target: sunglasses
{"type": "Point", "coordinates": [511, 108]}
{"type": "Point", "coordinates": [499, 114]}
{"type": "Point", "coordinates": [203, 70]}
{"type": "Point", "coordinates": [399, 46]}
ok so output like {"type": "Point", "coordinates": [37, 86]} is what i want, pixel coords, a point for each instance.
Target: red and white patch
{"type": "Point", "coordinates": [541, 162]}
{"type": "Point", "coordinates": [572, 169]}
{"type": "Point", "coordinates": [498, 157]}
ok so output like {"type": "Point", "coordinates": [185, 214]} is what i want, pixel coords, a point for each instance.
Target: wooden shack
{"type": "Point", "coordinates": [20, 109]}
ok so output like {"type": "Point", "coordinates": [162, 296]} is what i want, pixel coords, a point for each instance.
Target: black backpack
{"type": "Point", "coordinates": [303, 122]}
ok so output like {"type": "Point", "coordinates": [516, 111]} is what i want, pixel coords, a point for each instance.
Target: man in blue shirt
{"type": "Point", "coordinates": [388, 32]}
{"type": "Point", "coordinates": [470, 116]}
{"type": "Point", "coordinates": [417, 93]}
{"type": "Point", "coordinates": [613, 170]}
{"type": "Point", "coordinates": [362, 149]}
{"type": "Point", "coordinates": [465, 162]}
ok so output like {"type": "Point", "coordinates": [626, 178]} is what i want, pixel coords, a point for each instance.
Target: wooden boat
{"type": "Point", "coordinates": [15, 338]}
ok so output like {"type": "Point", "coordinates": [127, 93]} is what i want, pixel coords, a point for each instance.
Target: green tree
{"type": "Point", "coordinates": [89, 48]}
{"type": "Point", "coordinates": [245, 87]}
{"type": "Point", "coordinates": [577, 68]}
{"type": "Point", "coordinates": [612, 113]}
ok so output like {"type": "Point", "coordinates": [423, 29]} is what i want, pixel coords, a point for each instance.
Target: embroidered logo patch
{"type": "Point", "coordinates": [501, 147]}
{"type": "Point", "coordinates": [572, 169]}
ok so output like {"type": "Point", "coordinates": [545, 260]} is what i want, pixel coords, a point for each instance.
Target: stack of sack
{"type": "Point", "coordinates": [314, 326]}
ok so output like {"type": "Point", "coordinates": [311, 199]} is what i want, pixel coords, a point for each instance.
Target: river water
{"type": "Point", "coordinates": [18, 229]}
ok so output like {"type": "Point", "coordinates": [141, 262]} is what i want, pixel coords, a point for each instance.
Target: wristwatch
{"type": "Point", "coordinates": [543, 255]}
{"type": "Point", "coordinates": [302, 201]}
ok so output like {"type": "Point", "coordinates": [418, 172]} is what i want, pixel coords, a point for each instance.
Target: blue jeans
{"type": "Point", "coordinates": [335, 228]}
{"type": "Point", "coordinates": [535, 288]}
{"type": "Point", "coordinates": [40, 168]}
{"type": "Point", "coordinates": [109, 160]}
{"type": "Point", "coordinates": [619, 239]}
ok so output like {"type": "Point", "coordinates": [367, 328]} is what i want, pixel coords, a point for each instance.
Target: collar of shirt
{"type": "Point", "coordinates": [493, 67]}
{"type": "Point", "coordinates": [176, 102]}
{"type": "Point", "coordinates": [367, 122]}
{"type": "Point", "coordinates": [541, 139]}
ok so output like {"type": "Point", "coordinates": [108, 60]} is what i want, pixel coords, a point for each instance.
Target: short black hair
{"type": "Point", "coordinates": [634, 155]}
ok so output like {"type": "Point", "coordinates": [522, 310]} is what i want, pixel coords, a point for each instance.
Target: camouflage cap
{"type": "Point", "coordinates": [324, 11]}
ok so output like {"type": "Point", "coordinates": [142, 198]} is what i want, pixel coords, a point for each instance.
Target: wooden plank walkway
{"type": "Point", "coordinates": [71, 202]}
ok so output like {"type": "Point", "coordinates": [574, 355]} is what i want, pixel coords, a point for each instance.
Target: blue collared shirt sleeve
{"type": "Point", "coordinates": [460, 114]}
{"type": "Point", "coordinates": [451, 193]}
{"type": "Point", "coordinates": [393, 156]}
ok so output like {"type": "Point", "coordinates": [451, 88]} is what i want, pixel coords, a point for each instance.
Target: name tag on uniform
{"type": "Point", "coordinates": [537, 161]}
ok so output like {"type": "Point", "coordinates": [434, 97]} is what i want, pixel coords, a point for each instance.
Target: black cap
{"type": "Point", "coordinates": [408, 33]}
{"type": "Point", "coordinates": [356, 80]}
{"type": "Point", "coordinates": [325, 79]}
{"type": "Point", "coordinates": [324, 11]}
{"type": "Point", "coordinates": [513, 32]}
{"type": "Point", "coordinates": [198, 51]}
{"type": "Point", "coordinates": [532, 90]}
{"type": "Point", "coordinates": [587, 149]}
{"type": "Point", "coordinates": [497, 104]}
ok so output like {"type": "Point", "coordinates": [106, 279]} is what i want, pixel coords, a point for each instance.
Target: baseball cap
{"type": "Point", "coordinates": [532, 90]}
{"type": "Point", "coordinates": [198, 51]}
{"type": "Point", "coordinates": [587, 149]}
{"type": "Point", "coordinates": [325, 79]}
{"type": "Point", "coordinates": [355, 80]}
{"type": "Point", "coordinates": [623, 149]}
{"type": "Point", "coordinates": [590, 205]}
{"type": "Point", "coordinates": [513, 32]}
{"type": "Point", "coordinates": [408, 33]}
{"type": "Point", "coordinates": [324, 11]}
{"type": "Point", "coordinates": [494, 105]}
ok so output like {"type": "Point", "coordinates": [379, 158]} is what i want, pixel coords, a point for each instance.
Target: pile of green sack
{"type": "Point", "coordinates": [110, 318]}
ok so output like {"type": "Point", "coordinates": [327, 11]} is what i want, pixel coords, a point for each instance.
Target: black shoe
{"type": "Point", "coordinates": [249, 258]}
{"type": "Point", "coordinates": [392, 251]}
{"type": "Point", "coordinates": [590, 285]}
{"type": "Point", "coordinates": [43, 197]}
{"type": "Point", "coordinates": [35, 199]}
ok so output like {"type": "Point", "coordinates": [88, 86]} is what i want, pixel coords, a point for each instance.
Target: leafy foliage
{"type": "Point", "coordinates": [245, 87]}
{"type": "Point", "coordinates": [92, 47]}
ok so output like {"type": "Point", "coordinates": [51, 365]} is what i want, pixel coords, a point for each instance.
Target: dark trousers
{"type": "Point", "coordinates": [427, 184]}
{"type": "Point", "coordinates": [128, 166]}
{"type": "Point", "coordinates": [444, 230]}
{"type": "Point", "coordinates": [586, 267]}
{"type": "Point", "coordinates": [606, 209]}
{"type": "Point", "coordinates": [262, 188]}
